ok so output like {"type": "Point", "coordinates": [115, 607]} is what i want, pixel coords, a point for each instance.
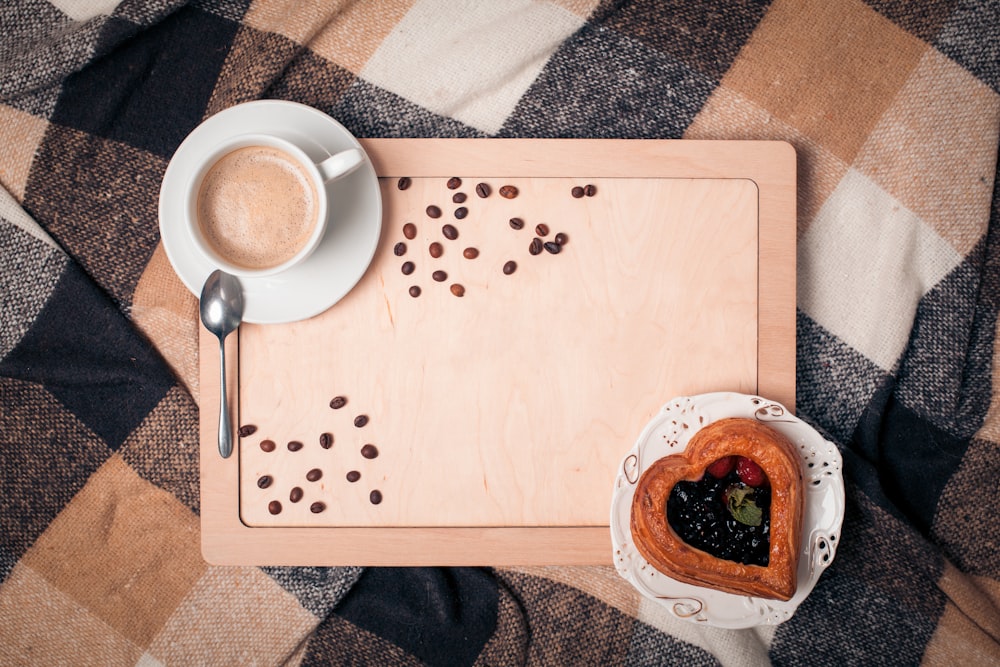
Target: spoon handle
{"type": "Point", "coordinates": [225, 432]}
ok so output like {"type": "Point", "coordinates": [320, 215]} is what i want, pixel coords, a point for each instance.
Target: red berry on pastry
{"type": "Point", "coordinates": [749, 472]}
{"type": "Point", "coordinates": [722, 467]}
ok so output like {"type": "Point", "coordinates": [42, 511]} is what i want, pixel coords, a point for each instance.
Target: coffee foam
{"type": "Point", "coordinates": [257, 207]}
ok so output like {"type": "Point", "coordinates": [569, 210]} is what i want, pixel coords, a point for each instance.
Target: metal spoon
{"type": "Point", "coordinates": [221, 312]}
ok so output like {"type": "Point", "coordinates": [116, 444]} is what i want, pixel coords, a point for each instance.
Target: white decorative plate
{"type": "Point", "coordinates": [669, 433]}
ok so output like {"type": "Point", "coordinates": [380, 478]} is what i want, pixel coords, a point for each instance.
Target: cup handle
{"type": "Point", "coordinates": [340, 164]}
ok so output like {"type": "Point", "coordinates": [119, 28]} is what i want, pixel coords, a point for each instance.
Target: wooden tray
{"type": "Point", "coordinates": [499, 417]}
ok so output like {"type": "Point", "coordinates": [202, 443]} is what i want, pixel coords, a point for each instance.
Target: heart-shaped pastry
{"type": "Point", "coordinates": [665, 550]}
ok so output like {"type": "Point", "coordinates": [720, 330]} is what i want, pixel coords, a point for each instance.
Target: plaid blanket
{"type": "Point", "coordinates": [894, 110]}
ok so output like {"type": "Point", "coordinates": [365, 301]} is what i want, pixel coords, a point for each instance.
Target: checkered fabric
{"type": "Point", "coordinates": [894, 110]}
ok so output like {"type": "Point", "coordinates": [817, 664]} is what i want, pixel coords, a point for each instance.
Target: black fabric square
{"type": "Point", "coordinates": [318, 589]}
{"type": "Point", "coordinates": [923, 19]}
{"type": "Point", "coordinates": [312, 80]}
{"type": "Point", "coordinates": [149, 92]}
{"type": "Point", "coordinates": [368, 111]}
{"type": "Point", "coordinates": [971, 37]}
{"type": "Point", "coordinates": [87, 355]}
{"type": "Point", "coordinates": [443, 616]}
{"type": "Point", "coordinates": [601, 84]}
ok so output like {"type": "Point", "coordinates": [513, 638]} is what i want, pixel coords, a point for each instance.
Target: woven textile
{"type": "Point", "coordinates": [894, 111]}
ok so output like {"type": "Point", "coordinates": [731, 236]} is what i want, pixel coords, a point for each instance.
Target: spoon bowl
{"type": "Point", "coordinates": [221, 308]}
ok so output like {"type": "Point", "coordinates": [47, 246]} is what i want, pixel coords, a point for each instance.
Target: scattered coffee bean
{"type": "Point", "coordinates": [561, 238]}
{"type": "Point", "coordinates": [542, 229]}
{"type": "Point", "coordinates": [326, 440]}
{"type": "Point", "coordinates": [436, 250]}
{"type": "Point", "coordinates": [454, 183]}
{"type": "Point", "coordinates": [536, 246]}
{"type": "Point", "coordinates": [375, 497]}
{"type": "Point", "coordinates": [577, 191]}
{"type": "Point", "coordinates": [369, 451]}
{"type": "Point", "coordinates": [294, 446]}
{"type": "Point", "coordinates": [264, 481]}
{"type": "Point", "coordinates": [590, 190]}
{"type": "Point", "coordinates": [247, 429]}
{"type": "Point", "coordinates": [407, 268]}
{"type": "Point", "coordinates": [483, 190]}
{"type": "Point", "coordinates": [314, 475]}
{"type": "Point", "coordinates": [403, 183]}
{"type": "Point", "coordinates": [433, 211]}
{"type": "Point", "coordinates": [459, 197]}
{"type": "Point", "coordinates": [553, 248]}
{"type": "Point", "coordinates": [317, 507]}
{"type": "Point", "coordinates": [267, 445]}
{"type": "Point", "coordinates": [470, 253]}
{"type": "Point", "coordinates": [360, 421]}
{"type": "Point", "coordinates": [509, 267]}
{"type": "Point", "coordinates": [399, 249]}
{"type": "Point", "coordinates": [439, 276]}
{"type": "Point", "coordinates": [338, 402]}
{"type": "Point", "coordinates": [410, 231]}
{"type": "Point", "coordinates": [414, 291]}
{"type": "Point", "coordinates": [353, 476]}
{"type": "Point", "coordinates": [461, 212]}
{"type": "Point", "coordinates": [295, 495]}
{"type": "Point", "coordinates": [450, 232]}
{"type": "Point", "coordinates": [457, 290]}
{"type": "Point", "coordinates": [508, 191]}
{"type": "Point", "coordinates": [274, 507]}
{"type": "Point", "coordinates": [516, 223]}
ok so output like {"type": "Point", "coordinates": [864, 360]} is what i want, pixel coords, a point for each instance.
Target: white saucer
{"type": "Point", "coordinates": [355, 213]}
{"type": "Point", "coordinates": [669, 433]}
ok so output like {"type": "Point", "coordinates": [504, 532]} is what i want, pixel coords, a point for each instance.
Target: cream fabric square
{"type": "Point", "coordinates": [471, 61]}
{"type": "Point", "coordinates": [82, 10]}
{"type": "Point", "coordinates": [863, 265]}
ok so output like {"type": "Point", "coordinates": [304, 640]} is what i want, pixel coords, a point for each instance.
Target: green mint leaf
{"type": "Point", "coordinates": [739, 502]}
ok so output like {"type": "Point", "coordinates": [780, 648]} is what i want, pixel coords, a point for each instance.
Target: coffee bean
{"type": "Point", "coordinates": [264, 481]}
{"type": "Point", "coordinates": [509, 267]}
{"type": "Point", "coordinates": [553, 248]}
{"type": "Point", "coordinates": [375, 497]}
{"type": "Point", "coordinates": [508, 191]}
{"type": "Point", "coordinates": [577, 192]}
{"type": "Point", "coordinates": [439, 276]}
{"type": "Point", "coordinates": [403, 183]}
{"type": "Point", "coordinates": [326, 440]}
{"type": "Point", "coordinates": [407, 268]}
{"type": "Point", "coordinates": [450, 232]}
{"type": "Point", "coordinates": [414, 291]}
{"type": "Point", "coordinates": [369, 451]}
{"type": "Point", "coordinates": [247, 429]}
{"type": "Point", "coordinates": [338, 402]}
{"type": "Point", "coordinates": [314, 475]}
{"type": "Point", "coordinates": [457, 290]}
{"type": "Point", "coordinates": [470, 253]}
{"type": "Point", "coordinates": [516, 223]}
{"type": "Point", "coordinates": [536, 246]}
{"type": "Point", "coordinates": [561, 238]}
{"type": "Point", "coordinates": [267, 445]}
{"type": "Point", "coordinates": [317, 507]}
{"type": "Point", "coordinates": [436, 250]}
{"type": "Point", "coordinates": [461, 212]}
{"type": "Point", "coordinates": [542, 229]}
{"type": "Point", "coordinates": [590, 190]}
{"type": "Point", "coordinates": [360, 421]}
{"type": "Point", "coordinates": [294, 446]}
{"type": "Point", "coordinates": [483, 190]}
{"type": "Point", "coordinates": [274, 507]}
{"type": "Point", "coordinates": [399, 249]}
{"type": "Point", "coordinates": [410, 231]}
{"type": "Point", "coordinates": [459, 197]}
{"type": "Point", "coordinates": [295, 495]}
{"type": "Point", "coordinates": [454, 183]}
{"type": "Point", "coordinates": [433, 211]}
{"type": "Point", "coordinates": [353, 476]}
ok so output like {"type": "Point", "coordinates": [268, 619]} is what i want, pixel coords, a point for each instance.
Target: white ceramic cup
{"type": "Point", "coordinates": [336, 166]}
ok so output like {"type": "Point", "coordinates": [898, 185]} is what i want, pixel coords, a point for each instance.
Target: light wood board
{"type": "Point", "coordinates": [500, 417]}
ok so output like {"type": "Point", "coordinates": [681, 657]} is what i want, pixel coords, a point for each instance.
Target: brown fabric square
{"type": "Point", "coordinates": [925, 149]}
{"type": "Point", "coordinates": [968, 629]}
{"type": "Point", "coordinates": [311, 80]}
{"type": "Point", "coordinates": [124, 549]}
{"type": "Point", "coordinates": [255, 61]}
{"type": "Point", "coordinates": [828, 69]}
{"type": "Point", "coordinates": [22, 135]}
{"type": "Point", "coordinates": [352, 36]}
{"type": "Point", "coordinates": [298, 21]}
